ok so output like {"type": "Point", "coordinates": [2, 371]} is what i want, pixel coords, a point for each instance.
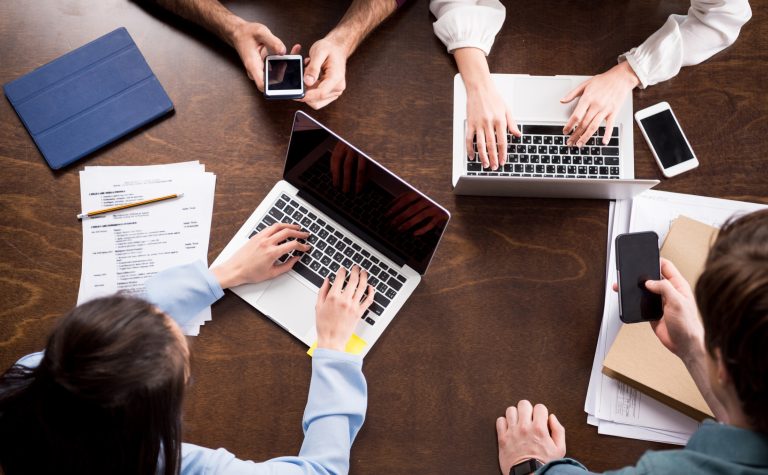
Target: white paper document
{"type": "Point", "coordinates": [615, 408]}
{"type": "Point", "coordinates": [122, 249]}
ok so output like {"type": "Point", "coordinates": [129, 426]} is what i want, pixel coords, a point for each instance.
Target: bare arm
{"type": "Point", "coordinates": [361, 18]}
{"type": "Point", "coordinates": [210, 14]}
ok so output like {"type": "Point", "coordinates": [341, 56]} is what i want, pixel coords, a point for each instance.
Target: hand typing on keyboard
{"type": "Point", "coordinates": [488, 117]}
{"type": "Point", "coordinates": [602, 97]}
{"type": "Point", "coordinates": [339, 307]}
{"type": "Point", "coordinates": [257, 260]}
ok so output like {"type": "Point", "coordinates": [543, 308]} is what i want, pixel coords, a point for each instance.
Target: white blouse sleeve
{"type": "Point", "coordinates": [685, 40]}
{"type": "Point", "coordinates": [467, 23]}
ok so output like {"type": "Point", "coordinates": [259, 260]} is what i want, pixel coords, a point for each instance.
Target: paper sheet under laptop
{"type": "Point", "coordinates": [121, 250]}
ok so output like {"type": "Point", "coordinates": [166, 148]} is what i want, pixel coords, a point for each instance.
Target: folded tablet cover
{"type": "Point", "coordinates": [88, 98]}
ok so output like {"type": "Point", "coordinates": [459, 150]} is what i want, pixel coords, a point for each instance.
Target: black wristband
{"type": "Point", "coordinates": [526, 467]}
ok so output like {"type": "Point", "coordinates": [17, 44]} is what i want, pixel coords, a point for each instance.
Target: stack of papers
{"type": "Point", "coordinates": [612, 406]}
{"type": "Point", "coordinates": [122, 249]}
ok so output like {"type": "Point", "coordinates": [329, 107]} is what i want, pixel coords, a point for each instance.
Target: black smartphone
{"type": "Point", "coordinates": [637, 260]}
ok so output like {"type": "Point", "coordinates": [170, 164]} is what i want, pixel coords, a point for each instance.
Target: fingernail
{"type": "Point", "coordinates": [578, 144]}
{"type": "Point", "coordinates": [309, 79]}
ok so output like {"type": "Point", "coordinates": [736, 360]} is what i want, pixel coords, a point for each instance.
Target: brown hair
{"type": "Point", "coordinates": [106, 397]}
{"type": "Point", "coordinates": [732, 295]}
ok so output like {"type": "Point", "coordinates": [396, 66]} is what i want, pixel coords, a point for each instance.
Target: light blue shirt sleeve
{"type": "Point", "coordinates": [183, 291]}
{"type": "Point", "coordinates": [335, 411]}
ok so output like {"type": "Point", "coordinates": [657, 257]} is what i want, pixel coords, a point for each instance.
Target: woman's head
{"type": "Point", "coordinates": [106, 396]}
{"type": "Point", "coordinates": [732, 295]}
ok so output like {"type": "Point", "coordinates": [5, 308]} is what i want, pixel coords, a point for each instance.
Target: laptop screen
{"type": "Point", "coordinates": [362, 195]}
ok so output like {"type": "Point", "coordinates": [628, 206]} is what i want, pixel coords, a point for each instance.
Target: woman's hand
{"type": "Point", "coordinates": [256, 261]}
{"type": "Point", "coordinates": [340, 307]}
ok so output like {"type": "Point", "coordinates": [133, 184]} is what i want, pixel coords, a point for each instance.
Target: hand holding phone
{"type": "Point", "coordinates": [284, 76]}
{"type": "Point", "coordinates": [669, 145]}
{"type": "Point", "coordinates": [637, 261]}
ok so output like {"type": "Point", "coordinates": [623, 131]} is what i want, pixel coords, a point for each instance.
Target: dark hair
{"type": "Point", "coordinates": [732, 295]}
{"type": "Point", "coordinates": [106, 397]}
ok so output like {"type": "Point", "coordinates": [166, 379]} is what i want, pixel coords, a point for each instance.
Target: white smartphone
{"type": "Point", "coordinates": [284, 76]}
{"type": "Point", "coordinates": [668, 143]}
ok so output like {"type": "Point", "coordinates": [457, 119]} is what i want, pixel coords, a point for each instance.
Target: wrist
{"type": "Point", "coordinates": [473, 67]}
{"type": "Point", "coordinates": [343, 40]}
{"type": "Point", "coordinates": [226, 276]}
{"type": "Point", "coordinates": [693, 353]}
{"type": "Point", "coordinates": [231, 28]}
{"type": "Point", "coordinates": [331, 344]}
{"type": "Point", "coordinates": [628, 74]}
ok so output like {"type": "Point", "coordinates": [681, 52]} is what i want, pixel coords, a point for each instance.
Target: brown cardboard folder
{"type": "Point", "coordinates": [638, 358]}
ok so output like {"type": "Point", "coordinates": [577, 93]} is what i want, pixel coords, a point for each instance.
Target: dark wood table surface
{"type": "Point", "coordinates": [512, 303]}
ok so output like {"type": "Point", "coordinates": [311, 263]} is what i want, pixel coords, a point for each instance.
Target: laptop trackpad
{"type": "Point", "coordinates": [289, 303]}
{"type": "Point", "coordinates": [539, 98]}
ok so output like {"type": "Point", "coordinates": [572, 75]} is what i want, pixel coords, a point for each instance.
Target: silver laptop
{"type": "Point", "coordinates": [357, 212]}
{"type": "Point", "coordinates": [540, 164]}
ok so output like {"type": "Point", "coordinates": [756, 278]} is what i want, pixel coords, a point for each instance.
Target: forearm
{"type": "Point", "coordinates": [210, 14]}
{"type": "Point", "coordinates": [473, 67]}
{"type": "Point", "coordinates": [362, 17]}
{"type": "Point", "coordinates": [696, 362]}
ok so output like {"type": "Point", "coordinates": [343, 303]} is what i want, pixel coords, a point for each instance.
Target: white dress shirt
{"type": "Point", "coordinates": [684, 40]}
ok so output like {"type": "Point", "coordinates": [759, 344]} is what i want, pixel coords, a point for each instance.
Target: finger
{"type": "Point", "coordinates": [490, 140]}
{"type": "Point", "coordinates": [338, 283]}
{"type": "Point", "coordinates": [402, 202]}
{"type": "Point", "coordinates": [524, 411]}
{"type": "Point", "coordinates": [274, 45]}
{"type": "Point", "coordinates": [540, 415]}
{"type": "Point", "coordinates": [254, 66]}
{"type": "Point", "coordinates": [575, 92]}
{"type": "Point", "coordinates": [512, 125]}
{"type": "Point", "coordinates": [317, 57]}
{"type": "Point", "coordinates": [468, 139]}
{"type": "Point", "coordinates": [578, 138]}
{"type": "Point", "coordinates": [430, 225]}
{"type": "Point", "coordinates": [413, 209]}
{"type": "Point", "coordinates": [669, 271]}
{"type": "Point", "coordinates": [324, 289]}
{"type": "Point", "coordinates": [289, 246]}
{"type": "Point", "coordinates": [558, 432]}
{"type": "Point", "coordinates": [481, 151]}
{"type": "Point", "coordinates": [424, 214]}
{"type": "Point", "coordinates": [501, 140]}
{"type": "Point", "coordinates": [296, 49]}
{"type": "Point", "coordinates": [661, 287]}
{"type": "Point", "coordinates": [615, 287]}
{"type": "Point", "coordinates": [608, 129]}
{"type": "Point", "coordinates": [368, 299]}
{"type": "Point", "coordinates": [512, 416]}
{"type": "Point", "coordinates": [575, 119]}
{"type": "Point", "coordinates": [314, 100]}
{"type": "Point", "coordinates": [286, 233]}
{"type": "Point", "coordinates": [279, 269]}
{"type": "Point", "coordinates": [361, 287]}
{"type": "Point", "coordinates": [501, 428]}
{"type": "Point", "coordinates": [277, 227]}
{"type": "Point", "coordinates": [591, 129]}
{"type": "Point", "coordinates": [354, 278]}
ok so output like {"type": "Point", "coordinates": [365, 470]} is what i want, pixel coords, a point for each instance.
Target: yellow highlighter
{"type": "Point", "coordinates": [354, 346]}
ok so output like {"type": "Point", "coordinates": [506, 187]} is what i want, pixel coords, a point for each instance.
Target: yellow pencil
{"type": "Point", "coordinates": [129, 205]}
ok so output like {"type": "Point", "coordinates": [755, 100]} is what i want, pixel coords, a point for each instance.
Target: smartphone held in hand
{"type": "Point", "coordinates": [637, 261]}
{"type": "Point", "coordinates": [668, 143]}
{"type": "Point", "coordinates": [284, 76]}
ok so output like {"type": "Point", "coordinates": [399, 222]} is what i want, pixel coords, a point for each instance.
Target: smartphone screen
{"type": "Point", "coordinates": [667, 139]}
{"type": "Point", "coordinates": [284, 74]}
{"type": "Point", "coordinates": [637, 260]}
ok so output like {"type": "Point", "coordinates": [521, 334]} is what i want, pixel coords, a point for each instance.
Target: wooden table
{"type": "Point", "coordinates": [511, 306]}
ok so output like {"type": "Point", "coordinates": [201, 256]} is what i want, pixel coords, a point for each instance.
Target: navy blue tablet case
{"type": "Point", "coordinates": [88, 98]}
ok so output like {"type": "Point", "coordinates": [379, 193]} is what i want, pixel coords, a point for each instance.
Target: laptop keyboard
{"type": "Point", "coordinates": [331, 249]}
{"type": "Point", "coordinates": [541, 152]}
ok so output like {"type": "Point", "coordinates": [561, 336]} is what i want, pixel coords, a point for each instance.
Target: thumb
{"type": "Point", "coordinates": [272, 42]}
{"type": "Point", "coordinates": [312, 71]}
{"type": "Point", "coordinates": [662, 287]}
{"type": "Point", "coordinates": [574, 93]}
{"type": "Point", "coordinates": [558, 432]}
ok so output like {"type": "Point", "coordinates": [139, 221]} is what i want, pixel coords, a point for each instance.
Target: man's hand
{"type": "Point", "coordinates": [488, 117]}
{"type": "Point", "coordinates": [256, 261]}
{"type": "Point", "coordinates": [254, 42]}
{"type": "Point", "coordinates": [340, 307]}
{"type": "Point", "coordinates": [325, 72]}
{"type": "Point", "coordinates": [602, 97]}
{"type": "Point", "coordinates": [529, 432]}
